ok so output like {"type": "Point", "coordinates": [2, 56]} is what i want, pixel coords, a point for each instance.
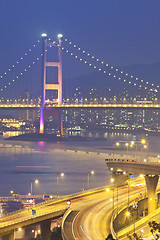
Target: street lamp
{"type": "Point", "coordinates": [33, 181]}
{"type": "Point", "coordinates": [59, 175]}
{"type": "Point", "coordinates": [127, 145]}
{"type": "Point", "coordinates": [90, 173]}
{"type": "Point", "coordinates": [146, 147]}
{"type": "Point", "coordinates": [127, 214]}
{"type": "Point", "coordinates": [143, 141]}
{"type": "Point", "coordinates": [117, 144]}
{"type": "Point", "coordinates": [112, 180]}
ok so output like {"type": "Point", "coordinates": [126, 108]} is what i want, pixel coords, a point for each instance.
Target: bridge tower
{"type": "Point", "coordinates": [56, 86]}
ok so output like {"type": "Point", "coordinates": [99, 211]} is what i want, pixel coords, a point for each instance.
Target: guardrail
{"type": "Point", "coordinates": [132, 161]}
{"type": "Point", "coordinates": [115, 214]}
{"type": "Point", "coordinates": [55, 201]}
{"type": "Point", "coordinates": [63, 220]}
{"type": "Point", "coordinates": [139, 223]}
{"type": "Point", "coordinates": [2, 225]}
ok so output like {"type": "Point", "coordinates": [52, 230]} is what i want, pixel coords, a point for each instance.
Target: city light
{"type": "Point", "coordinates": [112, 180]}
{"type": "Point", "coordinates": [44, 34]}
{"type": "Point", "coordinates": [31, 183]}
{"type": "Point", "coordinates": [60, 36]}
{"type": "Point", "coordinates": [143, 141]}
{"type": "Point", "coordinates": [127, 213]}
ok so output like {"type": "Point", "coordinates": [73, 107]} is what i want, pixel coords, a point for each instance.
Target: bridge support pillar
{"type": "Point", "coordinates": [9, 236]}
{"type": "Point", "coordinates": [45, 230]}
{"type": "Point", "coordinates": [60, 123]}
{"type": "Point", "coordinates": [151, 184]}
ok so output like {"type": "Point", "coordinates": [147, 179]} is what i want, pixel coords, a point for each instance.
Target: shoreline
{"type": "Point", "coordinates": [50, 138]}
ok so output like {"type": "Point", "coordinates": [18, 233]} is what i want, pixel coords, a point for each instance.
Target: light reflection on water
{"type": "Point", "coordinates": [21, 162]}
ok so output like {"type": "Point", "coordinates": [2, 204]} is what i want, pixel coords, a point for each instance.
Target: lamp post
{"type": "Point", "coordinates": [146, 146]}
{"type": "Point", "coordinates": [117, 145]}
{"type": "Point", "coordinates": [127, 145]}
{"type": "Point", "coordinates": [128, 191]}
{"type": "Point", "coordinates": [59, 175]}
{"type": "Point", "coordinates": [90, 173]}
{"type": "Point", "coordinates": [33, 181]}
{"type": "Point", "coordinates": [112, 181]}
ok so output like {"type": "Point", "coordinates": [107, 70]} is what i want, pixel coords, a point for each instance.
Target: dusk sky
{"type": "Point", "coordinates": [120, 32]}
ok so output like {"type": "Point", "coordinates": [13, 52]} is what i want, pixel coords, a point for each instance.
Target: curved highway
{"type": "Point", "coordinates": [92, 219]}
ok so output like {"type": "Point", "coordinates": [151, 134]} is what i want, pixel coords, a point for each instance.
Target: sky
{"type": "Point", "coordinates": [121, 32]}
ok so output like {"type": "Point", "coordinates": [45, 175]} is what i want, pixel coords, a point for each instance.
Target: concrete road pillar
{"type": "Point", "coordinates": [151, 183]}
{"type": "Point", "coordinates": [45, 230]}
{"type": "Point", "coordinates": [9, 236]}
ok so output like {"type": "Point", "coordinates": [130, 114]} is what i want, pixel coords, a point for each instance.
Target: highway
{"type": "Point", "coordinates": [92, 219]}
{"type": "Point", "coordinates": [90, 212]}
{"type": "Point", "coordinates": [48, 210]}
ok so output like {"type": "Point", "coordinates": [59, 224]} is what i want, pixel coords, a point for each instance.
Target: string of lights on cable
{"type": "Point", "coordinates": [111, 67]}
{"type": "Point", "coordinates": [21, 74]}
{"type": "Point", "coordinates": [135, 84]}
{"type": "Point", "coordinates": [19, 61]}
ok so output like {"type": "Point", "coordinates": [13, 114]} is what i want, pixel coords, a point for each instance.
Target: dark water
{"type": "Point", "coordinates": [21, 162]}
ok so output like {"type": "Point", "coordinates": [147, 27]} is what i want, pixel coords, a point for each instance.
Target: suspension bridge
{"type": "Point", "coordinates": [14, 74]}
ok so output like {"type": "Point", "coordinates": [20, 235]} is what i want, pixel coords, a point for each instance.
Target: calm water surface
{"type": "Point", "coordinates": [21, 162]}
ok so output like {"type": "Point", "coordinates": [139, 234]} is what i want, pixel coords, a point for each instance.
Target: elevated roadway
{"type": "Point", "coordinates": [92, 219]}
{"type": "Point", "coordinates": [80, 106]}
{"type": "Point", "coordinates": [44, 212]}
{"type": "Point", "coordinates": [134, 167]}
{"type": "Point", "coordinates": [150, 170]}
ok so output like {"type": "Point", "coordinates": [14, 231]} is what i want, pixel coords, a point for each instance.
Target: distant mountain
{"type": "Point", "coordinates": [148, 72]}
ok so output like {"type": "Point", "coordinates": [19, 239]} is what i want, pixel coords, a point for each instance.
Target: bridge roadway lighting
{"type": "Point", "coordinates": [33, 181]}
{"type": "Point", "coordinates": [59, 175]}
{"type": "Point", "coordinates": [90, 173]}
